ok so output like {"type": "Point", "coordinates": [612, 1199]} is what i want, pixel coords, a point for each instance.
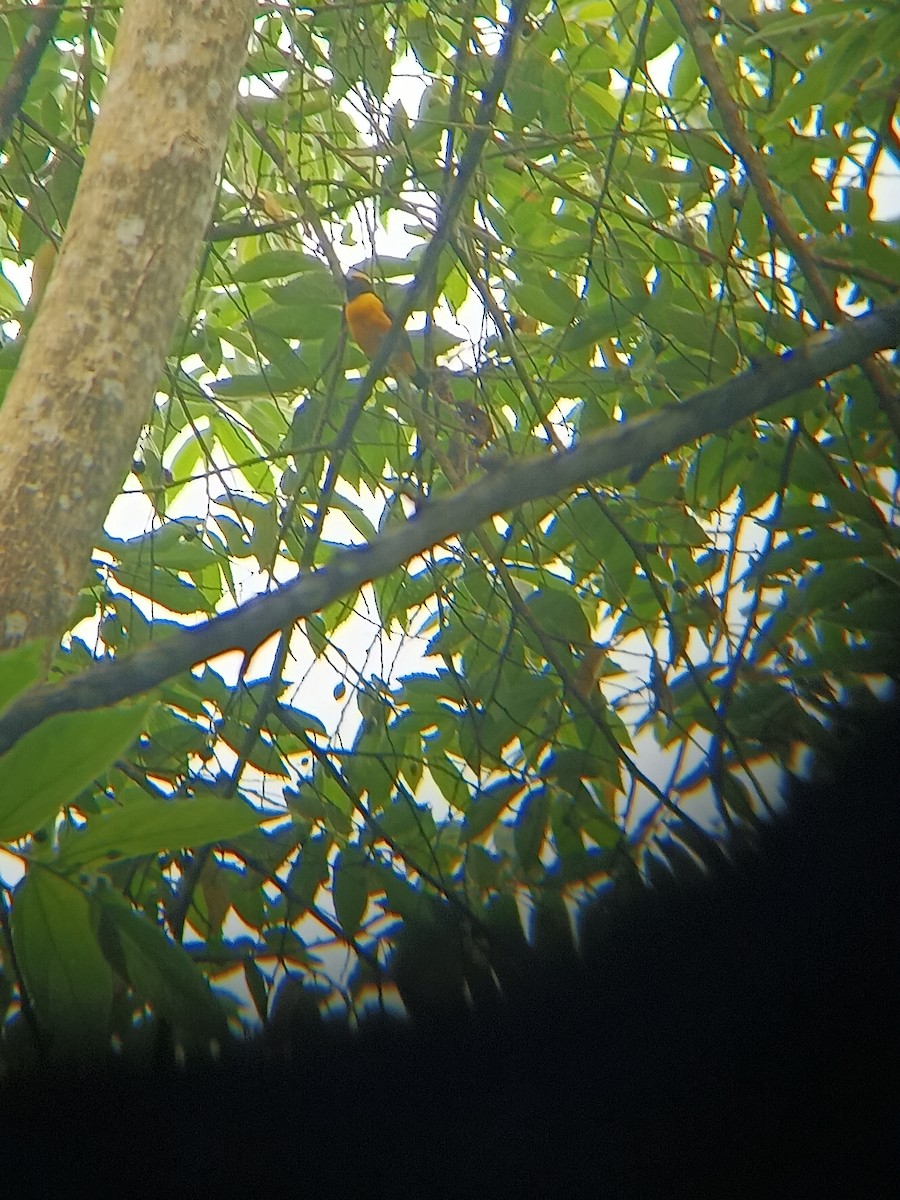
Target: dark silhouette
{"type": "Point", "coordinates": [732, 1030]}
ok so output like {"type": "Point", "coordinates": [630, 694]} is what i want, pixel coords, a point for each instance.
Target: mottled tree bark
{"type": "Point", "coordinates": [74, 411]}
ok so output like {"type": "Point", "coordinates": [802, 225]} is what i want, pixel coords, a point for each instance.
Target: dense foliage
{"type": "Point", "coordinates": [473, 726]}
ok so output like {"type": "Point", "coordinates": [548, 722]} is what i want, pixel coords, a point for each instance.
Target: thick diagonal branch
{"type": "Point", "coordinates": [633, 444]}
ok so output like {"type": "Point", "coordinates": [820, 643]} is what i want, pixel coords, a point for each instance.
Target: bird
{"type": "Point", "coordinates": [370, 322]}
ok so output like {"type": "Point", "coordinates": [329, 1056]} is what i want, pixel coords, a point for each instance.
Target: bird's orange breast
{"type": "Point", "coordinates": [368, 322]}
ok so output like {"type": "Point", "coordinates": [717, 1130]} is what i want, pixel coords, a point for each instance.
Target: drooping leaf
{"type": "Point", "coordinates": [350, 888]}
{"type": "Point", "coordinates": [67, 979]}
{"type": "Point", "coordinates": [158, 969]}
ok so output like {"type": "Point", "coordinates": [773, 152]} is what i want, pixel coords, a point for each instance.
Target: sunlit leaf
{"type": "Point", "coordinates": [144, 826]}
{"type": "Point", "coordinates": [48, 767]}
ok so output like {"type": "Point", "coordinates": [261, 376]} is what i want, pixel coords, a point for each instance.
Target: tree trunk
{"type": "Point", "coordinates": [74, 410]}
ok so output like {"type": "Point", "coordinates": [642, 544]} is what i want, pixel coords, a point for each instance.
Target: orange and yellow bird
{"type": "Point", "coordinates": [370, 322]}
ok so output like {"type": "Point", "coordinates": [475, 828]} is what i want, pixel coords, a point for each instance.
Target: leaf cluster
{"type": "Point", "coordinates": [511, 717]}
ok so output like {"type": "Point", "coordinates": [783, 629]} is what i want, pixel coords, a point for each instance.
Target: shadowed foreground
{"type": "Point", "coordinates": [731, 1033]}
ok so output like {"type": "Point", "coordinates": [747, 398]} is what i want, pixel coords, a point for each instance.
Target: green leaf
{"type": "Point", "coordinates": [551, 301]}
{"type": "Point", "coordinates": [350, 888]}
{"type": "Point", "coordinates": [160, 971]}
{"type": "Point", "coordinates": [166, 588]}
{"type": "Point", "coordinates": [67, 979]}
{"type": "Point", "coordinates": [410, 826]}
{"type": "Point", "coordinates": [482, 868]}
{"type": "Point", "coordinates": [49, 766]}
{"type": "Point", "coordinates": [145, 826]}
{"type": "Point", "coordinates": [251, 387]}
{"type": "Point", "coordinates": [609, 317]}
{"type": "Point", "coordinates": [19, 668]}
{"type": "Point", "coordinates": [257, 986]}
{"type": "Point", "coordinates": [176, 545]}
{"type": "Point", "coordinates": [531, 827]}
{"type": "Point", "coordinates": [300, 321]}
{"type": "Point", "coordinates": [10, 300]}
{"type": "Point", "coordinates": [484, 811]}
{"type": "Point", "coordinates": [559, 614]}
{"type": "Point", "coordinates": [275, 264]}
{"type": "Point", "coordinates": [310, 870]}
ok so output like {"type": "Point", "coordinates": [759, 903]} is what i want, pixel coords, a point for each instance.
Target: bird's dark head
{"type": "Point", "coordinates": [357, 284]}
